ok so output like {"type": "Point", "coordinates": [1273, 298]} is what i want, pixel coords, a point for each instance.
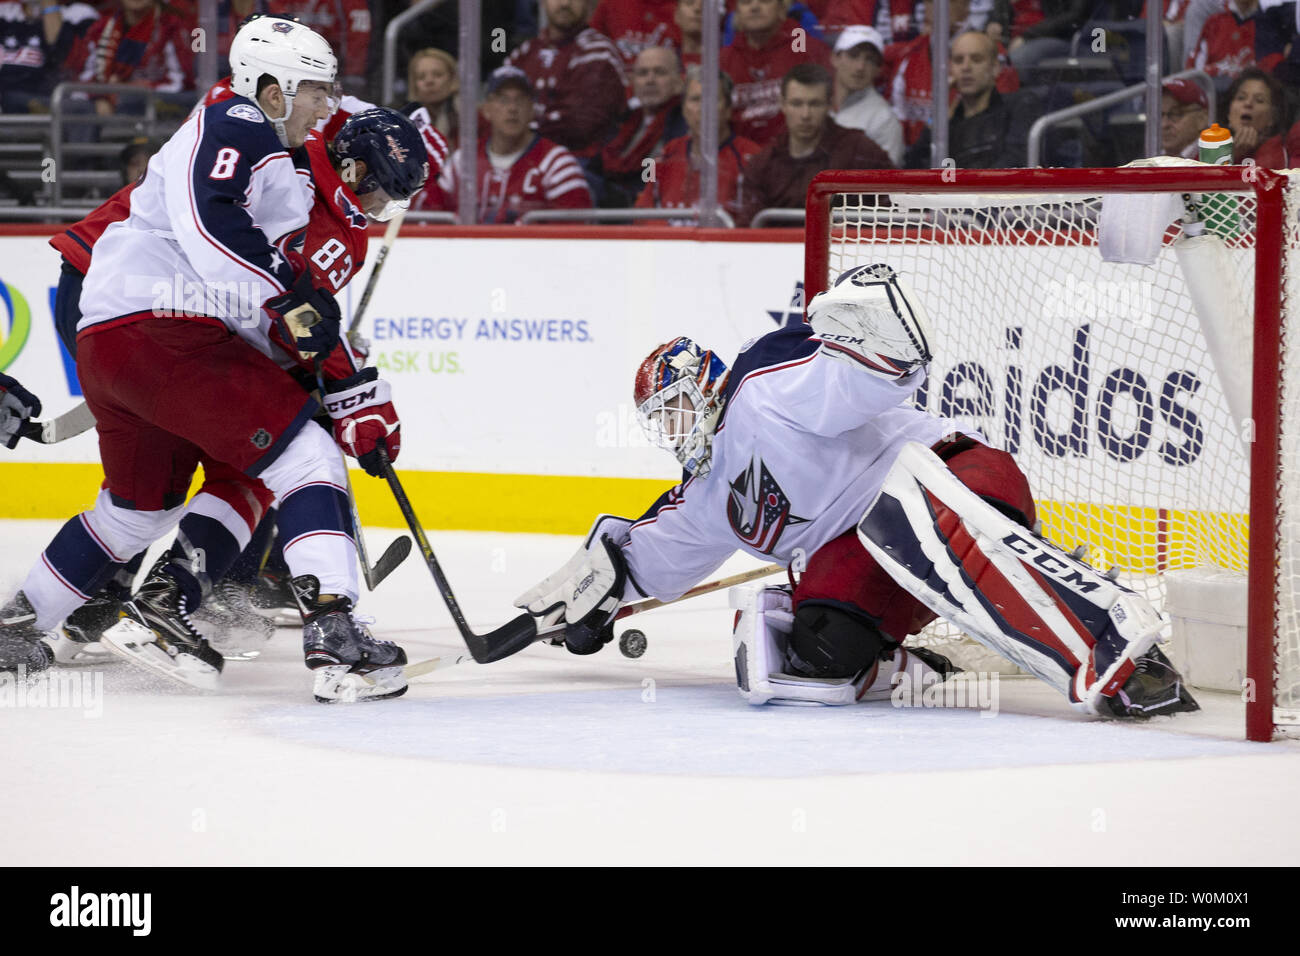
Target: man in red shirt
{"type": "Point", "coordinates": [578, 81]}
{"type": "Point", "coordinates": [655, 118]}
{"type": "Point", "coordinates": [1243, 35]}
{"type": "Point", "coordinates": [634, 25]}
{"type": "Point", "coordinates": [676, 184]}
{"type": "Point", "coordinates": [812, 141]}
{"type": "Point", "coordinates": [518, 170]}
{"type": "Point", "coordinates": [766, 47]}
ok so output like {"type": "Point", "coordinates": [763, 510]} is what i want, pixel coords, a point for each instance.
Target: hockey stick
{"type": "Point", "coordinates": [396, 552]}
{"type": "Point", "coordinates": [507, 639]}
{"type": "Point", "coordinates": [390, 236]}
{"type": "Point", "coordinates": [649, 604]}
{"type": "Point", "coordinates": [67, 425]}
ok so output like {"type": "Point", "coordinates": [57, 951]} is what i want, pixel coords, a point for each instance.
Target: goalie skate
{"type": "Point", "coordinates": [1017, 594]}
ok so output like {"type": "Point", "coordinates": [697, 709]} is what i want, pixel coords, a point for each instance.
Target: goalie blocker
{"type": "Point", "coordinates": [1018, 594]}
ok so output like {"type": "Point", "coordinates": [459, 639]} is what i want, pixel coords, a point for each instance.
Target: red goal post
{"type": "Point", "coordinates": [1003, 257]}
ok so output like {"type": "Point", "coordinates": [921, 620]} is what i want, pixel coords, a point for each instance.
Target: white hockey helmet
{"type": "Point", "coordinates": [871, 307]}
{"type": "Point", "coordinates": [287, 51]}
{"type": "Point", "coordinates": [678, 395]}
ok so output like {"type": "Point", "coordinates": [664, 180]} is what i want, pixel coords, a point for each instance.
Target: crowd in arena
{"type": "Point", "coordinates": [598, 104]}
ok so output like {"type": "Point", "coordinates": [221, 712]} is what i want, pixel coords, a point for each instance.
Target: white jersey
{"type": "Point", "coordinates": [802, 448]}
{"type": "Point", "coordinates": [209, 228]}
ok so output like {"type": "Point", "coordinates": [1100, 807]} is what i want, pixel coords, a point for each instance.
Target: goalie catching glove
{"type": "Point", "coordinates": [17, 405]}
{"type": "Point", "coordinates": [870, 319]}
{"type": "Point", "coordinates": [361, 406]}
{"type": "Point", "coordinates": [585, 594]}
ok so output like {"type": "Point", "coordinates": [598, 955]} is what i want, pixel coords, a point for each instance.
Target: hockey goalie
{"type": "Point", "coordinates": [808, 452]}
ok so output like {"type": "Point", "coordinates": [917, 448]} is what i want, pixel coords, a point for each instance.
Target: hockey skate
{"type": "Point", "coordinates": [272, 597]}
{"type": "Point", "coordinates": [347, 662]}
{"type": "Point", "coordinates": [156, 633]}
{"type": "Point", "coordinates": [77, 642]}
{"type": "Point", "coordinates": [1154, 688]}
{"type": "Point", "coordinates": [21, 644]}
{"type": "Point", "coordinates": [231, 625]}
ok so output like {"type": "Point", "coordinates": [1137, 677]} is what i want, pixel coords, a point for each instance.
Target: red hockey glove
{"type": "Point", "coordinates": [362, 408]}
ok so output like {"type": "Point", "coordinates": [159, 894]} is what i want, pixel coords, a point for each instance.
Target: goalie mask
{"type": "Point", "coordinates": [678, 396]}
{"type": "Point", "coordinates": [870, 313]}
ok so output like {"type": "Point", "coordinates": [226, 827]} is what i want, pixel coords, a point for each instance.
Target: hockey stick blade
{"type": "Point", "coordinates": [393, 555]}
{"type": "Point", "coordinates": [54, 430]}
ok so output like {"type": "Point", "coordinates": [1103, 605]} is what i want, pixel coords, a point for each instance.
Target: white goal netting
{"type": "Point", "coordinates": [1123, 390]}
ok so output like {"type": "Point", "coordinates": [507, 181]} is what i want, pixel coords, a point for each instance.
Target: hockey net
{"type": "Point", "coordinates": [1123, 390]}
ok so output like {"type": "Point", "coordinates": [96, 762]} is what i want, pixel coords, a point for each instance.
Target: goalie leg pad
{"type": "Point", "coordinates": [1017, 594]}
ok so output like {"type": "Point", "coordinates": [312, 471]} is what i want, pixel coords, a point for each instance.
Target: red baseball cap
{"type": "Point", "coordinates": [1185, 91]}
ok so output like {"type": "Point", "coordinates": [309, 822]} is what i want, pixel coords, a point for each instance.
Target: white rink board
{"type": "Point", "coordinates": [516, 355]}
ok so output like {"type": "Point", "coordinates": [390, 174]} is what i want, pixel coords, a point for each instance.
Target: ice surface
{"type": "Point", "coordinates": [552, 758]}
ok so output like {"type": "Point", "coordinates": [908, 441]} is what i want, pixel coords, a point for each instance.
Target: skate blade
{"type": "Point", "coordinates": [132, 641]}
{"type": "Point", "coordinates": [70, 652]}
{"type": "Point", "coordinates": [335, 685]}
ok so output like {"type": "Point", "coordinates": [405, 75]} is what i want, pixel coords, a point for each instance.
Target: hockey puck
{"type": "Point", "coordinates": [632, 643]}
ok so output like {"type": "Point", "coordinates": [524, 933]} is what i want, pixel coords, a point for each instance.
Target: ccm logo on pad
{"type": "Point", "coordinates": [1050, 563]}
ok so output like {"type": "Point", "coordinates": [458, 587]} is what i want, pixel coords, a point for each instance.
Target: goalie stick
{"type": "Point", "coordinates": [438, 663]}
{"type": "Point", "coordinates": [67, 425]}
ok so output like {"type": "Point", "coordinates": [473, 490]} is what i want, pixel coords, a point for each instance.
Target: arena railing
{"type": "Point", "coordinates": [621, 215]}
{"type": "Point", "coordinates": [1041, 125]}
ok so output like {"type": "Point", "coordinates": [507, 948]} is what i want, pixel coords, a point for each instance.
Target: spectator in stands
{"type": "Point", "coordinates": [36, 37]}
{"type": "Point", "coordinates": [859, 54]}
{"type": "Point", "coordinates": [577, 76]}
{"type": "Point", "coordinates": [518, 171]}
{"type": "Point", "coordinates": [432, 82]}
{"type": "Point", "coordinates": [1038, 29]}
{"type": "Point", "coordinates": [134, 159]}
{"type": "Point", "coordinates": [676, 183]}
{"type": "Point", "coordinates": [635, 25]}
{"type": "Point", "coordinates": [138, 43]}
{"type": "Point", "coordinates": [655, 118]}
{"type": "Point", "coordinates": [345, 24]}
{"type": "Point", "coordinates": [1257, 115]}
{"type": "Point", "coordinates": [1184, 112]}
{"type": "Point", "coordinates": [812, 141]}
{"type": "Point", "coordinates": [907, 74]}
{"type": "Point", "coordinates": [765, 48]}
{"type": "Point", "coordinates": [895, 19]}
{"type": "Point", "coordinates": [1243, 35]}
{"type": "Point", "coordinates": [688, 17]}
{"type": "Point", "coordinates": [986, 129]}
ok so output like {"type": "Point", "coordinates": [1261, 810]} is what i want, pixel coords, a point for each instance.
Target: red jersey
{"type": "Point", "coordinates": [578, 86]}
{"type": "Point", "coordinates": [677, 178]}
{"type": "Point", "coordinates": [155, 52]}
{"type": "Point", "coordinates": [75, 242]}
{"type": "Point", "coordinates": [546, 176]}
{"type": "Point", "coordinates": [634, 25]}
{"type": "Point", "coordinates": [640, 135]}
{"type": "Point", "coordinates": [344, 23]}
{"type": "Point", "coordinates": [908, 83]}
{"type": "Point", "coordinates": [756, 75]}
{"type": "Point", "coordinates": [1229, 43]}
{"type": "Point", "coordinates": [893, 18]}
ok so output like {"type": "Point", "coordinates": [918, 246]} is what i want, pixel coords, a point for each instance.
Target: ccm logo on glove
{"type": "Point", "coordinates": [353, 401]}
{"type": "Point", "coordinates": [364, 418]}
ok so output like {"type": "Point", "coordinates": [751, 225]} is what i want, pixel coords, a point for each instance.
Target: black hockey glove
{"type": "Point", "coordinates": [17, 405]}
{"type": "Point", "coordinates": [584, 639]}
{"type": "Point", "coordinates": [310, 317]}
